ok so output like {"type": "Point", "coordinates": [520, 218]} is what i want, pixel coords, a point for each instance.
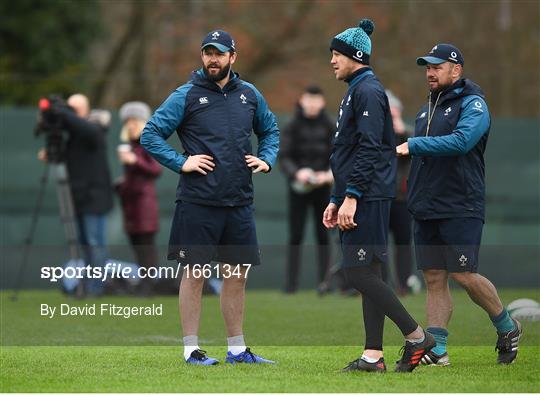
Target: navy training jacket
{"type": "Point", "coordinates": [216, 122]}
{"type": "Point", "coordinates": [363, 158]}
{"type": "Point", "coordinates": [447, 171]}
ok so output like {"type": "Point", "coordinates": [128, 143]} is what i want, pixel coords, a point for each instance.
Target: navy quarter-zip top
{"type": "Point", "coordinates": [363, 159]}
{"type": "Point", "coordinates": [216, 122]}
{"type": "Point", "coordinates": [447, 177]}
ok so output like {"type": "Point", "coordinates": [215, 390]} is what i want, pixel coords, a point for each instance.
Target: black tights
{"type": "Point", "coordinates": [378, 301]}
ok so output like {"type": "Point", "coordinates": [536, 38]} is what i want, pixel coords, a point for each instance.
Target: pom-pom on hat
{"type": "Point", "coordinates": [355, 42]}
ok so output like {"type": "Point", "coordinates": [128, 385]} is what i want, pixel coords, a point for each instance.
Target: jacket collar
{"type": "Point", "coordinates": [461, 87]}
{"type": "Point", "coordinates": [450, 92]}
{"type": "Point", "coordinates": [199, 78]}
{"type": "Point", "coordinates": [358, 75]}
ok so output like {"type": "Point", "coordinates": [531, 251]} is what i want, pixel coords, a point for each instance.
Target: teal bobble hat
{"type": "Point", "coordinates": [355, 42]}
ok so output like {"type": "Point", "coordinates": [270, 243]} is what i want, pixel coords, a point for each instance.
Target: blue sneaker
{"type": "Point", "coordinates": [198, 357]}
{"type": "Point", "coordinates": [246, 357]}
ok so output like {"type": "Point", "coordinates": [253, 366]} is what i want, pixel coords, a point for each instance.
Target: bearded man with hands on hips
{"type": "Point", "coordinates": [214, 115]}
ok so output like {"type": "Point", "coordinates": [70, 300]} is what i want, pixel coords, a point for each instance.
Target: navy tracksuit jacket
{"type": "Point", "coordinates": [447, 172]}
{"type": "Point", "coordinates": [216, 122]}
{"type": "Point", "coordinates": [363, 159]}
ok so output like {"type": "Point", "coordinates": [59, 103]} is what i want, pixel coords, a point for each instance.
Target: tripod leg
{"type": "Point", "coordinates": [67, 217]}
{"type": "Point", "coordinates": [30, 238]}
{"type": "Point", "coordinates": [67, 211]}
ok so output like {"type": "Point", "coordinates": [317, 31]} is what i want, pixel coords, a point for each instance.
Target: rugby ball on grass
{"type": "Point", "coordinates": [524, 310]}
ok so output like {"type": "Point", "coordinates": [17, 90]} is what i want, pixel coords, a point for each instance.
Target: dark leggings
{"type": "Point", "coordinates": [378, 301]}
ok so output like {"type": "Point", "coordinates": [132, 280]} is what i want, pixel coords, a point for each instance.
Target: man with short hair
{"type": "Point", "coordinates": [90, 180]}
{"type": "Point", "coordinates": [364, 166]}
{"type": "Point", "coordinates": [447, 199]}
{"type": "Point", "coordinates": [214, 115]}
{"type": "Point", "coordinates": [87, 165]}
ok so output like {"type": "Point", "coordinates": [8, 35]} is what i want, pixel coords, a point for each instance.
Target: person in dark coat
{"type": "Point", "coordinates": [306, 145]}
{"type": "Point", "coordinates": [138, 191]}
{"type": "Point", "coordinates": [89, 178]}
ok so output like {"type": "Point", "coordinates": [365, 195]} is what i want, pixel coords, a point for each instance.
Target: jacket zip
{"type": "Point", "coordinates": [430, 117]}
{"type": "Point", "coordinates": [230, 135]}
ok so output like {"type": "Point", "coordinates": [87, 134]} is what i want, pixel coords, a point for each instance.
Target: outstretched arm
{"type": "Point", "coordinates": [472, 125]}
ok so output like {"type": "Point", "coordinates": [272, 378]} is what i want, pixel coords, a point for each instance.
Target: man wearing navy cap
{"type": "Point", "coordinates": [214, 115]}
{"type": "Point", "coordinates": [447, 199]}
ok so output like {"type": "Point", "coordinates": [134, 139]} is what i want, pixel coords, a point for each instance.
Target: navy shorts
{"type": "Point", "coordinates": [201, 234]}
{"type": "Point", "coordinates": [450, 244]}
{"type": "Point", "coordinates": [361, 245]}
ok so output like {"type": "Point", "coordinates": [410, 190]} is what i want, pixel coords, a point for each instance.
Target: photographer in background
{"type": "Point", "coordinates": [85, 156]}
{"type": "Point", "coordinates": [306, 144]}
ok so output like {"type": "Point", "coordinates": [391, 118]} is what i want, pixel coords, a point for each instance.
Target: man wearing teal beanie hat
{"type": "Point", "coordinates": [363, 162]}
{"type": "Point", "coordinates": [355, 42]}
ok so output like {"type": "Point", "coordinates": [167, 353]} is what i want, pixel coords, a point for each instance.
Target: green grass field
{"type": "Point", "coordinates": [310, 337]}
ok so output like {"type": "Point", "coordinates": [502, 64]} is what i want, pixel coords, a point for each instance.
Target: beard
{"type": "Point", "coordinates": [223, 72]}
{"type": "Point", "coordinates": [440, 88]}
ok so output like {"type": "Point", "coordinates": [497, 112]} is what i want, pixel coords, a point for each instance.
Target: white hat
{"type": "Point", "coordinates": [135, 109]}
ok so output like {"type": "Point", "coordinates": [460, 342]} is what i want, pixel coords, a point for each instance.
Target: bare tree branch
{"type": "Point", "coordinates": [117, 54]}
{"type": "Point", "coordinates": [274, 50]}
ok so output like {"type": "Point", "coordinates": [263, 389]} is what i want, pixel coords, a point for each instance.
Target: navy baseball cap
{"type": "Point", "coordinates": [441, 53]}
{"type": "Point", "coordinates": [219, 39]}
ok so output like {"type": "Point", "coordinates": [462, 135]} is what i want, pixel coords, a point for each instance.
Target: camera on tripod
{"type": "Point", "coordinates": [50, 124]}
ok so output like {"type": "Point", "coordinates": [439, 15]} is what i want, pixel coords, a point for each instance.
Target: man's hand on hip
{"type": "Point", "coordinates": [330, 215]}
{"type": "Point", "coordinates": [402, 149]}
{"type": "Point", "coordinates": [346, 213]}
{"type": "Point", "coordinates": [257, 164]}
{"type": "Point", "coordinates": [199, 163]}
